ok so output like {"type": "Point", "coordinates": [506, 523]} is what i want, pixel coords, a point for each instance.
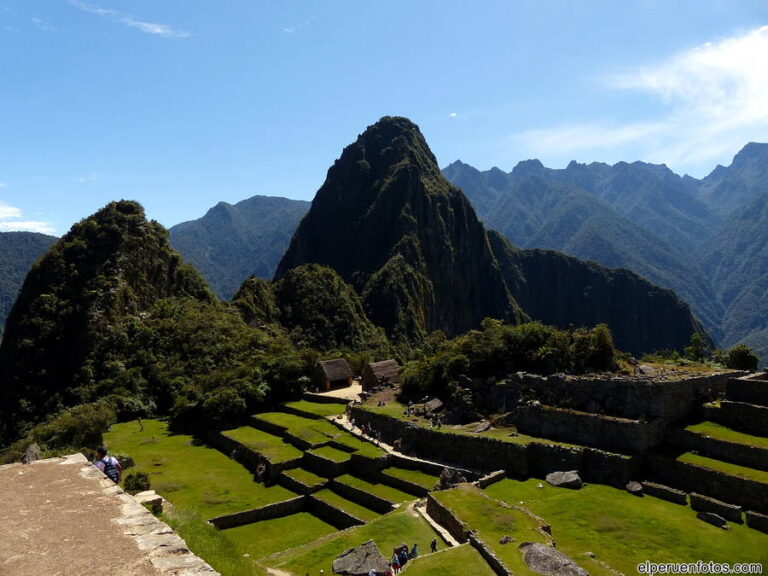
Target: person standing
{"type": "Point", "coordinates": [433, 545]}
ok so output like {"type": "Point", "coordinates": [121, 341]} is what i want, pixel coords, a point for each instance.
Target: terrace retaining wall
{"type": "Point", "coordinates": [298, 487]}
{"type": "Point", "coordinates": [324, 466]}
{"type": "Point", "coordinates": [757, 521]}
{"type": "Point", "coordinates": [268, 512]}
{"type": "Point", "coordinates": [701, 503]}
{"type": "Point", "coordinates": [334, 516]}
{"type": "Point", "coordinates": [749, 389]}
{"type": "Point", "coordinates": [750, 456]}
{"type": "Point", "coordinates": [748, 418]}
{"type": "Point", "coordinates": [273, 429]}
{"type": "Point", "coordinates": [490, 558]}
{"type": "Point", "coordinates": [747, 493]}
{"type": "Point", "coordinates": [322, 399]}
{"type": "Point", "coordinates": [519, 460]}
{"type": "Point", "coordinates": [625, 397]}
{"type": "Point", "coordinates": [447, 519]}
{"type": "Point", "coordinates": [361, 497]}
{"type": "Point", "coordinates": [404, 485]}
{"type": "Point", "coordinates": [607, 432]}
{"type": "Point", "coordinates": [666, 493]}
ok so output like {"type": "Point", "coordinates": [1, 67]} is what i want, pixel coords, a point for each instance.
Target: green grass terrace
{"type": "Point", "coordinates": [720, 432]}
{"type": "Point", "coordinates": [724, 467]}
{"type": "Point", "coordinates": [331, 453]}
{"type": "Point", "coordinates": [388, 493]}
{"type": "Point", "coordinates": [351, 508]}
{"type": "Point", "coordinates": [272, 447]}
{"type": "Point", "coordinates": [623, 530]}
{"type": "Point", "coordinates": [414, 476]}
{"type": "Point", "coordinates": [305, 477]}
{"type": "Point", "coordinates": [492, 520]}
{"type": "Point", "coordinates": [388, 531]}
{"type": "Point", "coordinates": [316, 408]}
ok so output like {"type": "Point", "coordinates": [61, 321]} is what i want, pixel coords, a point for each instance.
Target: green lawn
{"type": "Point", "coordinates": [330, 453]}
{"type": "Point", "coordinates": [720, 432]}
{"type": "Point", "coordinates": [316, 408]}
{"type": "Point", "coordinates": [623, 530]}
{"type": "Point", "coordinates": [353, 508]}
{"type": "Point", "coordinates": [389, 493]}
{"type": "Point", "coordinates": [459, 559]}
{"type": "Point", "coordinates": [269, 536]}
{"type": "Point", "coordinates": [491, 521]}
{"type": "Point", "coordinates": [310, 430]}
{"type": "Point", "coordinates": [415, 476]}
{"type": "Point", "coordinates": [387, 531]}
{"type": "Point", "coordinates": [305, 477]}
{"type": "Point", "coordinates": [725, 467]}
{"type": "Point", "coordinates": [272, 447]}
{"type": "Point", "coordinates": [192, 477]}
{"type": "Point", "coordinates": [360, 447]}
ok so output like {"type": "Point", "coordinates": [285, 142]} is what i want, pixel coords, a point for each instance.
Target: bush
{"type": "Point", "coordinates": [136, 482]}
{"type": "Point", "coordinates": [741, 357]}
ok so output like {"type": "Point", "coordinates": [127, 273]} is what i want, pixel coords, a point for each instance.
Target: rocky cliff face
{"type": "Point", "coordinates": [562, 290]}
{"type": "Point", "coordinates": [407, 240]}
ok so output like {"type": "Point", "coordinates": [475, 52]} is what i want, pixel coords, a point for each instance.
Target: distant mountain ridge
{"type": "Point", "coordinates": [18, 250]}
{"type": "Point", "coordinates": [702, 238]}
{"type": "Point", "coordinates": [234, 241]}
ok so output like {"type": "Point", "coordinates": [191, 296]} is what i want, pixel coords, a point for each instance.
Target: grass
{"type": "Point", "coordinates": [387, 531]}
{"type": "Point", "coordinates": [463, 558]}
{"type": "Point", "coordinates": [353, 508]}
{"type": "Point", "coordinates": [624, 530]}
{"type": "Point", "coordinates": [491, 521]}
{"type": "Point", "coordinates": [212, 545]}
{"type": "Point", "coordinates": [316, 408]}
{"type": "Point", "coordinates": [414, 476]}
{"type": "Point", "coordinates": [192, 477]}
{"type": "Point", "coordinates": [330, 453]}
{"type": "Point", "coordinates": [360, 447]}
{"type": "Point", "coordinates": [305, 477]}
{"type": "Point", "coordinates": [724, 467]}
{"type": "Point", "coordinates": [269, 536]}
{"type": "Point", "coordinates": [272, 447]}
{"type": "Point", "coordinates": [314, 431]}
{"type": "Point", "coordinates": [719, 432]}
{"type": "Point", "coordinates": [389, 493]}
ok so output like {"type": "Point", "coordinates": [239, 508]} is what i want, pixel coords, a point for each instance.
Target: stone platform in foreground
{"type": "Point", "coordinates": [62, 516]}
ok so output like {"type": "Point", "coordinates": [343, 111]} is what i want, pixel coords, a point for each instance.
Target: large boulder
{"type": "Point", "coordinates": [569, 479]}
{"type": "Point", "coordinates": [546, 560]}
{"type": "Point", "coordinates": [450, 478]}
{"type": "Point", "coordinates": [361, 560]}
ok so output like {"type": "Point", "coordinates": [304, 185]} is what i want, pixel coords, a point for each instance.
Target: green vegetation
{"type": "Point", "coordinates": [270, 536]}
{"type": "Point", "coordinates": [624, 530]}
{"type": "Point", "coordinates": [724, 467]}
{"type": "Point", "coordinates": [136, 482]}
{"type": "Point", "coordinates": [448, 560]}
{"type": "Point", "coordinates": [191, 476]}
{"type": "Point", "coordinates": [317, 408]}
{"type": "Point", "coordinates": [273, 448]}
{"type": "Point", "coordinates": [212, 545]}
{"type": "Point", "coordinates": [352, 508]}
{"type": "Point", "coordinates": [388, 493]}
{"type": "Point", "coordinates": [414, 476]}
{"type": "Point", "coordinates": [305, 477]}
{"type": "Point", "coordinates": [315, 307]}
{"type": "Point", "coordinates": [330, 453]}
{"type": "Point", "coordinates": [720, 432]}
{"type": "Point", "coordinates": [387, 531]}
{"type": "Point", "coordinates": [498, 350]}
{"type": "Point", "coordinates": [492, 521]}
{"type": "Point", "coordinates": [741, 357]}
{"type": "Point", "coordinates": [310, 430]}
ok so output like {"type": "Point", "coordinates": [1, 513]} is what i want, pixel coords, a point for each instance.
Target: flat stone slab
{"type": "Point", "coordinates": [569, 479]}
{"type": "Point", "coordinates": [62, 516]}
{"type": "Point", "coordinates": [359, 561]}
{"type": "Point", "coordinates": [549, 561]}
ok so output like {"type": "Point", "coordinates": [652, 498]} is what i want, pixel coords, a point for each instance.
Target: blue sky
{"type": "Point", "coordinates": [182, 103]}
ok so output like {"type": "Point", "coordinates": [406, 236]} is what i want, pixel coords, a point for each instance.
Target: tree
{"type": "Point", "coordinates": [696, 350]}
{"type": "Point", "coordinates": [741, 357]}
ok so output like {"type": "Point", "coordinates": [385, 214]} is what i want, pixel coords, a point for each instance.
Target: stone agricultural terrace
{"type": "Point", "coordinates": [62, 516]}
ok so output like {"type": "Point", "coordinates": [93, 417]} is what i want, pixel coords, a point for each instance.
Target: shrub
{"type": "Point", "coordinates": [136, 482]}
{"type": "Point", "coordinates": [741, 357]}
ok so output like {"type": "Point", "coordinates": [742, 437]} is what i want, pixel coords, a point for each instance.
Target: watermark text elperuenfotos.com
{"type": "Point", "coordinates": [700, 567]}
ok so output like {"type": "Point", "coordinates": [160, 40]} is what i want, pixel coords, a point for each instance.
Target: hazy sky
{"type": "Point", "coordinates": [182, 103]}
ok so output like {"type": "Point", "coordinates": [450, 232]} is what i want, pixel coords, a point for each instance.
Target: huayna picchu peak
{"type": "Point", "coordinates": [405, 238]}
{"type": "Point", "coordinates": [411, 245]}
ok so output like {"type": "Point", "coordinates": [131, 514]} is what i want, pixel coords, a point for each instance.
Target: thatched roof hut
{"type": "Point", "coordinates": [334, 373]}
{"type": "Point", "coordinates": [384, 372]}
